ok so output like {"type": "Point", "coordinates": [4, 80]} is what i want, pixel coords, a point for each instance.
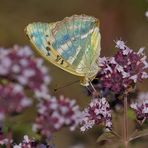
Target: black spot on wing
{"type": "Point", "coordinates": [58, 58]}
{"type": "Point", "coordinates": [62, 62]}
{"type": "Point", "coordinates": [48, 51]}
{"type": "Point", "coordinates": [48, 48]}
{"type": "Point", "coordinates": [48, 43]}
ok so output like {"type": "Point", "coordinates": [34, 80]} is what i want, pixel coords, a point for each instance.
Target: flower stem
{"type": "Point", "coordinates": [9, 138]}
{"type": "Point", "coordinates": [125, 122]}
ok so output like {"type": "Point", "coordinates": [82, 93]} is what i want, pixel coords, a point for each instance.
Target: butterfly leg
{"type": "Point", "coordinates": [94, 93]}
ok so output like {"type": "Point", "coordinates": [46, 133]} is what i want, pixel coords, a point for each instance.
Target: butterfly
{"type": "Point", "coordinates": [72, 44]}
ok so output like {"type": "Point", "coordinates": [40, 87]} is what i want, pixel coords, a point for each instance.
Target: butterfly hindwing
{"type": "Point", "coordinates": [79, 39]}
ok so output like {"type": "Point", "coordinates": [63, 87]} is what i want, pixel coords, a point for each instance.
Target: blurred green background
{"type": "Point", "coordinates": [123, 19]}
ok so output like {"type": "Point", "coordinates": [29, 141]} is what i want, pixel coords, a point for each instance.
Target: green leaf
{"type": "Point", "coordinates": [139, 134]}
{"type": "Point", "coordinates": [108, 136]}
{"type": "Point", "coordinates": [131, 114]}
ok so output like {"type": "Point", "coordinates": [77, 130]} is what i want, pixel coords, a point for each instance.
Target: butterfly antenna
{"type": "Point", "coordinates": [89, 89]}
{"type": "Point", "coordinates": [66, 85]}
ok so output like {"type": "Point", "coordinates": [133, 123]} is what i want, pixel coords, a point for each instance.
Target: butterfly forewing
{"type": "Point", "coordinates": [40, 35]}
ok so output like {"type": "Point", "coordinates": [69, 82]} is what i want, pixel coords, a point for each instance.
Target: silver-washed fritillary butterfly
{"type": "Point", "coordinates": [72, 44]}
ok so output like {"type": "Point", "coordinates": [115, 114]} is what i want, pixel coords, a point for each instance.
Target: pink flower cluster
{"type": "Point", "coordinates": [19, 65]}
{"type": "Point", "coordinates": [53, 114]}
{"type": "Point", "coordinates": [140, 106]}
{"type": "Point", "coordinates": [3, 139]}
{"type": "Point", "coordinates": [124, 69]}
{"type": "Point", "coordinates": [25, 143]}
{"type": "Point", "coordinates": [97, 112]}
{"type": "Point", "coordinates": [31, 143]}
{"type": "Point", "coordinates": [12, 99]}
{"type": "Point", "coordinates": [8, 141]}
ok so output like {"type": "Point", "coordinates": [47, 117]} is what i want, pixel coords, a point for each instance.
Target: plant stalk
{"type": "Point", "coordinates": [125, 122]}
{"type": "Point", "coordinates": [9, 138]}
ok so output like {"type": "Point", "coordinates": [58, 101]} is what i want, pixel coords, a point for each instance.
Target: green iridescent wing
{"type": "Point", "coordinates": [77, 40]}
{"type": "Point", "coordinates": [72, 44]}
{"type": "Point", "coordinates": [40, 36]}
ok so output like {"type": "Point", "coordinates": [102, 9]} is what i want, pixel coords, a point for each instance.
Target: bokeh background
{"type": "Point", "coordinates": [119, 19]}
